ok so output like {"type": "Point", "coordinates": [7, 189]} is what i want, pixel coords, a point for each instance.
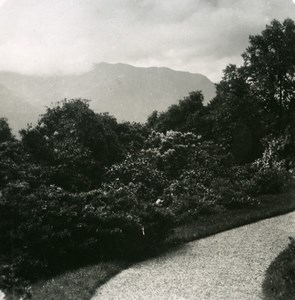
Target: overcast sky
{"type": "Point", "coordinates": [69, 36]}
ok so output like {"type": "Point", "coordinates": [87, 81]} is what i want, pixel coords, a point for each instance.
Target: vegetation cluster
{"type": "Point", "coordinates": [279, 282]}
{"type": "Point", "coordinates": [80, 187]}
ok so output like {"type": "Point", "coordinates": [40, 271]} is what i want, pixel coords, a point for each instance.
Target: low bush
{"type": "Point", "coordinates": [279, 283]}
{"type": "Point", "coordinates": [270, 181]}
{"type": "Point", "coordinates": [189, 198]}
{"type": "Point", "coordinates": [51, 229]}
{"type": "Point", "coordinates": [272, 172]}
{"type": "Point", "coordinates": [187, 174]}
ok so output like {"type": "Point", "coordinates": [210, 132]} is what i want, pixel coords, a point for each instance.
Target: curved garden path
{"type": "Point", "coordinates": [229, 265]}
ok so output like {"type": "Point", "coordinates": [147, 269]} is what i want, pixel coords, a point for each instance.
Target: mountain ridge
{"type": "Point", "coordinates": [129, 93]}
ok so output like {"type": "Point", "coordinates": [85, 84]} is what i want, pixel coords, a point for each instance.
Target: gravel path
{"type": "Point", "coordinates": [229, 265]}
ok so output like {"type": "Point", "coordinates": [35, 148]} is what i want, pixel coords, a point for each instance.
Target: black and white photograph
{"type": "Point", "coordinates": [147, 149]}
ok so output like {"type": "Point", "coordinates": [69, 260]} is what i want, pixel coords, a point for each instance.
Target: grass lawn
{"type": "Point", "coordinates": [270, 206]}
{"type": "Point", "coordinates": [82, 283]}
{"type": "Point", "coordinates": [279, 283]}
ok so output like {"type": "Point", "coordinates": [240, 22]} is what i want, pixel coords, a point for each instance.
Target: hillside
{"type": "Point", "coordinates": [129, 93]}
{"type": "Point", "coordinates": [16, 109]}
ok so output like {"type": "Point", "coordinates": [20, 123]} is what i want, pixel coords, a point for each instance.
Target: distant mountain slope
{"type": "Point", "coordinates": [18, 111]}
{"type": "Point", "coordinates": [129, 93]}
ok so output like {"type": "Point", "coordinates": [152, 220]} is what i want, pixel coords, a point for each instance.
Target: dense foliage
{"type": "Point", "coordinates": [279, 282]}
{"type": "Point", "coordinates": [76, 145]}
{"type": "Point", "coordinates": [80, 186]}
{"type": "Point", "coordinates": [188, 115]}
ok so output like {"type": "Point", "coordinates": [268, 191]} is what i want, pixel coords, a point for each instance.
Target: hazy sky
{"type": "Point", "coordinates": [68, 36]}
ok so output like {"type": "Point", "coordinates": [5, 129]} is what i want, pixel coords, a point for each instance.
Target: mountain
{"type": "Point", "coordinates": [18, 111]}
{"type": "Point", "coordinates": [129, 93]}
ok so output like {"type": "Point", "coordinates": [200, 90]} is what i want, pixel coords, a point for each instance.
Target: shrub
{"type": "Point", "coordinates": [270, 181]}
{"type": "Point", "coordinates": [52, 229]}
{"type": "Point", "coordinates": [139, 170]}
{"type": "Point", "coordinates": [279, 282]}
{"type": "Point", "coordinates": [187, 198]}
{"type": "Point", "coordinates": [272, 169]}
{"type": "Point", "coordinates": [202, 173]}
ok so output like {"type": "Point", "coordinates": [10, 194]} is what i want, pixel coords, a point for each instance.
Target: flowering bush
{"type": "Point", "coordinates": [274, 169]}
{"type": "Point", "coordinates": [189, 175]}
{"type": "Point", "coordinates": [187, 197]}
{"type": "Point", "coordinates": [141, 171]}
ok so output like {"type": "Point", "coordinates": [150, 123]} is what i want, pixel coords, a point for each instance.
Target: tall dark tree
{"type": "Point", "coordinates": [187, 115]}
{"type": "Point", "coordinates": [236, 116]}
{"type": "Point", "coordinates": [269, 68]}
{"type": "Point", "coordinates": [75, 143]}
